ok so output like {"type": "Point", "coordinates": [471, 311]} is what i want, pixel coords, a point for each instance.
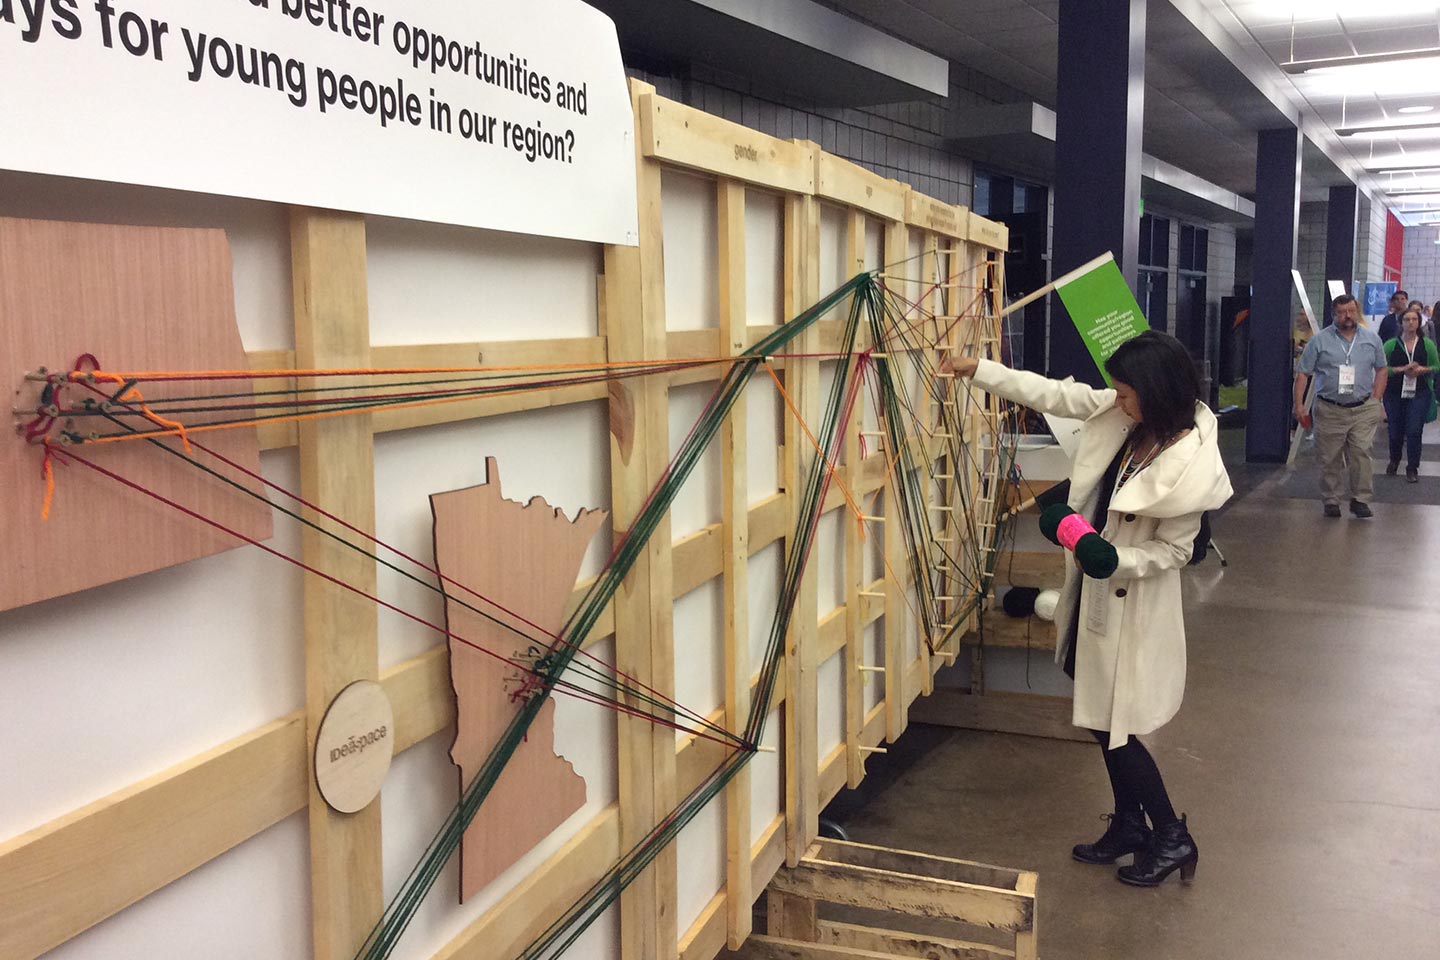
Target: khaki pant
{"type": "Point", "coordinates": [1343, 439]}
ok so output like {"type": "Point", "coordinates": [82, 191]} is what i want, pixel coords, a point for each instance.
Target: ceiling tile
{"type": "Point", "coordinates": [1017, 16]}
{"type": "Point", "coordinates": [942, 9]}
{"type": "Point", "coordinates": [1392, 104]}
{"type": "Point", "coordinates": [1393, 38]}
{"type": "Point", "coordinates": [1267, 14]}
{"type": "Point", "coordinates": [1282, 32]}
{"type": "Point", "coordinates": [1383, 15]}
{"type": "Point", "coordinates": [1311, 48]}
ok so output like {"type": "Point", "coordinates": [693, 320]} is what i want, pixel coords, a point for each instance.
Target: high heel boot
{"type": "Point", "coordinates": [1171, 848]}
{"type": "Point", "coordinates": [1126, 833]}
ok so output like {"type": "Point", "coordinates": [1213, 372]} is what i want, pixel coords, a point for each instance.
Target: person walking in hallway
{"type": "Point", "coordinates": [1147, 467]}
{"type": "Point", "coordinates": [1408, 394]}
{"type": "Point", "coordinates": [1349, 364]}
{"type": "Point", "coordinates": [1390, 323]}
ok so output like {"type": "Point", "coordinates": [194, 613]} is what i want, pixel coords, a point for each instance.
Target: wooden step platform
{"type": "Point", "coordinates": [810, 908]}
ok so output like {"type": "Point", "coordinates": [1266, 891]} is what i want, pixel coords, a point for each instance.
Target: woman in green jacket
{"type": "Point", "coordinates": [1409, 392]}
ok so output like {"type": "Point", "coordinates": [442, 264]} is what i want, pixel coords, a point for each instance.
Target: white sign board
{"type": "Point", "coordinates": [1304, 301]}
{"type": "Point", "coordinates": [507, 116]}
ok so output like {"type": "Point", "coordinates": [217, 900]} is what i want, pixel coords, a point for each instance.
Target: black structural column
{"type": "Point", "coordinates": [1277, 217]}
{"type": "Point", "coordinates": [1100, 100]}
{"type": "Point", "coordinates": [1340, 241]}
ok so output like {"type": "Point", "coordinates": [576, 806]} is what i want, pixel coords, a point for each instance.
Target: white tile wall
{"type": "Point", "coordinates": [1310, 252]}
{"type": "Point", "coordinates": [1420, 272]}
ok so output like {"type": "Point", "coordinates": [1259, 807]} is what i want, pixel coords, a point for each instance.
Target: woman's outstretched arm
{"type": "Point", "coordinates": [1061, 398]}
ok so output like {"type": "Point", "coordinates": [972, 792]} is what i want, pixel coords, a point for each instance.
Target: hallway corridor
{"type": "Point", "coordinates": [1307, 755]}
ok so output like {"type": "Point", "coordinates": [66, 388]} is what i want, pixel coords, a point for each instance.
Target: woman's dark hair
{"type": "Point", "coordinates": [1160, 371]}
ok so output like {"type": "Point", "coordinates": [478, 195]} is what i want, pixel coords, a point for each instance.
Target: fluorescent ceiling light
{"type": "Point", "coordinates": [1358, 60]}
{"type": "Point", "coordinates": [1417, 109]}
{"type": "Point", "coordinates": [1414, 169]}
{"type": "Point", "coordinates": [1302, 10]}
{"type": "Point", "coordinates": [1413, 78]}
{"type": "Point", "coordinates": [1416, 197]}
{"type": "Point", "coordinates": [1388, 130]}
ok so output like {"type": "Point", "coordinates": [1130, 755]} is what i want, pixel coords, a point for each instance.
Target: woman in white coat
{"type": "Point", "coordinates": [1146, 468]}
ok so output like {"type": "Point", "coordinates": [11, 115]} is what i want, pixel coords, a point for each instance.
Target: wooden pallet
{"type": "Point", "coordinates": [805, 904]}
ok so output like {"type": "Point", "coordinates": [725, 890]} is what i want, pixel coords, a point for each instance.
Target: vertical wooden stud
{"type": "Point", "coordinates": [802, 761]}
{"type": "Point", "coordinates": [929, 272]}
{"type": "Point", "coordinates": [855, 534]}
{"type": "Point", "coordinates": [1027, 940]}
{"type": "Point", "coordinates": [639, 449]}
{"type": "Point", "coordinates": [735, 531]}
{"type": "Point", "coordinates": [897, 702]}
{"type": "Point", "coordinates": [337, 468]}
{"type": "Point", "coordinates": [987, 333]}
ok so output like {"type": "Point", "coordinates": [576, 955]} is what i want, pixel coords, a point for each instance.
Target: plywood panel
{"type": "Point", "coordinates": [526, 555]}
{"type": "Point", "coordinates": [136, 298]}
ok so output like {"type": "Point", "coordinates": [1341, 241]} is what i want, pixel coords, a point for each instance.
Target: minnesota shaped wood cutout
{"type": "Point", "coordinates": [524, 558]}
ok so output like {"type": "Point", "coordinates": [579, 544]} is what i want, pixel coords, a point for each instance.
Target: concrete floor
{"type": "Point", "coordinates": [1307, 755]}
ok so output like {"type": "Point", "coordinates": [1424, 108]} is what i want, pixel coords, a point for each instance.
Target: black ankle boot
{"type": "Point", "coordinates": [1171, 848]}
{"type": "Point", "coordinates": [1127, 833]}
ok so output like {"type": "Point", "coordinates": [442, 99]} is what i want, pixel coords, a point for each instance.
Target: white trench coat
{"type": "Point", "coordinates": [1130, 654]}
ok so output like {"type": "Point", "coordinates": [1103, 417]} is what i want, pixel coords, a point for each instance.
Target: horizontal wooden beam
{"type": "Point", "coordinates": [763, 947]}
{"type": "Point", "coordinates": [927, 213]}
{"type": "Point", "coordinates": [988, 233]}
{"type": "Point", "coordinates": [685, 137]}
{"type": "Point", "coordinates": [1016, 633]}
{"type": "Point", "coordinates": [901, 944]}
{"type": "Point", "coordinates": [913, 862]}
{"type": "Point", "coordinates": [556, 353]}
{"type": "Point", "coordinates": [815, 878]}
{"type": "Point", "coordinates": [69, 874]}
{"type": "Point", "coordinates": [852, 185]}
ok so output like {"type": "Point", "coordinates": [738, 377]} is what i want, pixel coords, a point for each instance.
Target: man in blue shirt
{"type": "Point", "coordinates": [1390, 325]}
{"type": "Point", "coordinates": [1348, 362]}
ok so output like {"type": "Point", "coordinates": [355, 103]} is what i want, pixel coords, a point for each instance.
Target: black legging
{"type": "Point", "coordinates": [1136, 780]}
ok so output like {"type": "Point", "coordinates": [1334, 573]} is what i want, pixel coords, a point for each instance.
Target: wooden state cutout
{"type": "Point", "coordinates": [354, 746]}
{"type": "Point", "coordinates": [137, 298]}
{"type": "Point", "coordinates": [524, 557]}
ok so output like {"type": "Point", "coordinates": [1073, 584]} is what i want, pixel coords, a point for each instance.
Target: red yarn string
{"type": "Point", "coordinates": [561, 686]}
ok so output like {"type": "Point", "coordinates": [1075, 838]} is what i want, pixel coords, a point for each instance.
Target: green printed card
{"type": "Point", "coordinates": [1104, 311]}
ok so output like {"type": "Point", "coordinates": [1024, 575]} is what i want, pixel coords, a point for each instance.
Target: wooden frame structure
{"type": "Point", "coordinates": [903, 887]}
{"type": "Point", "coordinates": [68, 875]}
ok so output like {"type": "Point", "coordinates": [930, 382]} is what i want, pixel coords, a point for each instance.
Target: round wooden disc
{"type": "Point", "coordinates": [354, 746]}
